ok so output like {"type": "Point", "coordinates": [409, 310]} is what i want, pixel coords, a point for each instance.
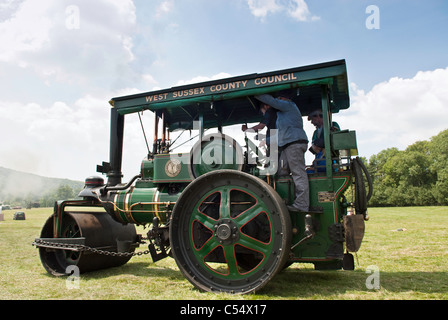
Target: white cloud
{"type": "Point", "coordinates": [398, 112]}
{"type": "Point", "coordinates": [297, 9]}
{"type": "Point", "coordinates": [26, 31]}
{"type": "Point", "coordinates": [68, 140]}
{"type": "Point", "coordinates": [44, 57]}
{"type": "Point", "coordinates": [261, 8]}
{"type": "Point", "coordinates": [164, 8]}
{"type": "Point", "coordinates": [59, 140]}
{"type": "Point", "coordinates": [197, 79]}
{"type": "Point", "coordinates": [149, 80]}
{"type": "Point", "coordinates": [39, 36]}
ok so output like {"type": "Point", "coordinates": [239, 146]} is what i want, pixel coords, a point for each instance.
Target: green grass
{"type": "Point", "coordinates": [412, 264]}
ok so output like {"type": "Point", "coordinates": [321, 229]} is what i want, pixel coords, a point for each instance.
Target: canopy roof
{"type": "Point", "coordinates": [230, 101]}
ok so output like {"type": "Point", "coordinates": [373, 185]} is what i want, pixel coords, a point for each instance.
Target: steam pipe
{"type": "Point", "coordinates": [116, 148]}
{"type": "Point", "coordinates": [108, 188]}
{"type": "Point", "coordinates": [156, 133]}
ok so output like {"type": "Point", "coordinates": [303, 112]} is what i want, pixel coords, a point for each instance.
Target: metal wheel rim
{"type": "Point", "coordinates": [246, 258]}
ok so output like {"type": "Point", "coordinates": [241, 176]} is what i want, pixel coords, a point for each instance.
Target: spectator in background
{"type": "Point", "coordinates": [317, 142]}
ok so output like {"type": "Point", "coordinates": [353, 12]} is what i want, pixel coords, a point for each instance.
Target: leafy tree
{"type": "Point", "coordinates": [439, 166]}
{"type": "Point", "coordinates": [415, 176]}
{"type": "Point", "coordinates": [65, 192]}
{"type": "Point", "coordinates": [381, 181]}
{"type": "Point", "coordinates": [62, 192]}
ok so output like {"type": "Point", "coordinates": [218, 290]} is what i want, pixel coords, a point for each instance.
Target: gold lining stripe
{"type": "Point", "coordinates": [156, 204]}
{"type": "Point", "coordinates": [127, 208]}
{"type": "Point", "coordinates": [116, 208]}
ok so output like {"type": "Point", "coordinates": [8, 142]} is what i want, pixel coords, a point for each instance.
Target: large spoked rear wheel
{"type": "Point", "coordinates": [230, 232]}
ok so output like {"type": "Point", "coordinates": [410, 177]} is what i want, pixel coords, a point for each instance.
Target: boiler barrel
{"type": "Point", "coordinates": [141, 205]}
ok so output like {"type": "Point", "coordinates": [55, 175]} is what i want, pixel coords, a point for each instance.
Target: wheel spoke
{"type": "Point", "coordinates": [208, 247]}
{"type": "Point", "coordinates": [231, 260]}
{"type": "Point", "coordinates": [254, 244]}
{"type": "Point", "coordinates": [224, 207]}
{"type": "Point", "coordinates": [205, 220]}
{"type": "Point", "coordinates": [249, 214]}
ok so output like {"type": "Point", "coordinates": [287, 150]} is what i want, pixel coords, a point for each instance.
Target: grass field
{"type": "Point", "coordinates": [410, 264]}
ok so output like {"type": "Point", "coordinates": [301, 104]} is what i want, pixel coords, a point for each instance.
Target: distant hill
{"type": "Point", "coordinates": [21, 184]}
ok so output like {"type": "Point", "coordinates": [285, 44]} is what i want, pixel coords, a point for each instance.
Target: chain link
{"type": "Point", "coordinates": [81, 247]}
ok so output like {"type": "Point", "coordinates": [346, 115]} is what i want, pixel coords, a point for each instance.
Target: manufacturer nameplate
{"type": "Point", "coordinates": [326, 196]}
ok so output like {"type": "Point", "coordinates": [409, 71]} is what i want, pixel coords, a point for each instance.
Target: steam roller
{"type": "Point", "coordinates": [219, 209]}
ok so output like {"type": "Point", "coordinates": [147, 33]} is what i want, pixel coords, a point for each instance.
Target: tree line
{"type": "Point", "coordinates": [30, 200]}
{"type": "Point", "coordinates": [416, 176]}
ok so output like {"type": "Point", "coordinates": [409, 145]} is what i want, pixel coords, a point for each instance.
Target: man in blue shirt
{"type": "Point", "coordinates": [293, 143]}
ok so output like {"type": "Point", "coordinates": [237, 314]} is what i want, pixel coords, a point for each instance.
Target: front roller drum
{"type": "Point", "coordinates": [230, 232]}
{"type": "Point", "coordinates": [99, 230]}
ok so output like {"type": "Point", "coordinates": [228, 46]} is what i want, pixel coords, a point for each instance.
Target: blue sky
{"type": "Point", "coordinates": [62, 60]}
{"type": "Point", "coordinates": [212, 34]}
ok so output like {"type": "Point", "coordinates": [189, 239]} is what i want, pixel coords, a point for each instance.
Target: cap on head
{"type": "Point", "coordinates": [284, 93]}
{"type": "Point", "coordinates": [315, 113]}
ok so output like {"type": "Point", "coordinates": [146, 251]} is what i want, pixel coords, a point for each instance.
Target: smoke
{"type": "Point", "coordinates": [18, 184]}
